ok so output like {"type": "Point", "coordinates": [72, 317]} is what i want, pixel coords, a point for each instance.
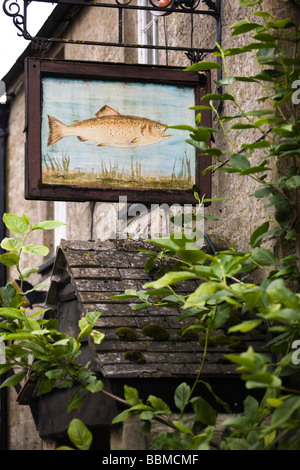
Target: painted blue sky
{"type": "Point", "coordinates": [71, 99]}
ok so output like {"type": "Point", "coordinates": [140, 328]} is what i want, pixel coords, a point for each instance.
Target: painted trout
{"type": "Point", "coordinates": [110, 128]}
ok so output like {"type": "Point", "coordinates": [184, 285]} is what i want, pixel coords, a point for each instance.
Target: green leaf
{"type": "Point", "coordinates": [200, 108]}
{"type": "Point", "coordinates": [265, 37]}
{"type": "Point", "coordinates": [263, 14]}
{"type": "Point", "coordinates": [181, 395]}
{"type": "Point", "coordinates": [9, 259]}
{"type": "Point", "coordinates": [79, 434]}
{"type": "Point", "coordinates": [159, 405]}
{"type": "Point", "coordinates": [141, 305]}
{"type": "Point", "coordinates": [205, 413]}
{"type": "Point", "coordinates": [247, 361]}
{"type": "Point", "coordinates": [25, 273]}
{"type": "Point", "coordinates": [55, 374]}
{"type": "Point", "coordinates": [244, 26]}
{"type": "Point", "coordinates": [170, 279]}
{"type": "Point", "coordinates": [243, 126]}
{"type": "Point", "coordinates": [204, 66]}
{"type": "Point", "coordinates": [93, 316]}
{"type": "Point", "coordinates": [149, 265]}
{"type": "Point", "coordinates": [12, 244]}
{"type": "Point", "coordinates": [15, 224]}
{"type": "Point", "coordinates": [239, 161]}
{"type": "Point", "coordinates": [86, 331]}
{"type": "Point", "coordinates": [251, 406]}
{"type": "Point", "coordinates": [95, 387]}
{"type": "Point", "coordinates": [263, 256]}
{"type": "Point", "coordinates": [48, 225]}
{"type": "Point", "coordinates": [237, 443]}
{"type": "Point", "coordinates": [14, 379]}
{"type": "Point", "coordinates": [14, 313]}
{"type": "Point", "coordinates": [281, 24]}
{"type": "Point", "coordinates": [200, 144]}
{"type": "Point", "coordinates": [283, 413]}
{"type": "Point", "coordinates": [200, 134]}
{"type": "Point", "coordinates": [249, 3]}
{"type": "Point", "coordinates": [257, 145]}
{"type": "Point", "coordinates": [217, 97]}
{"type": "Point", "coordinates": [255, 169]}
{"type": "Point", "coordinates": [293, 182]}
{"type": "Point", "coordinates": [245, 326]}
{"type": "Point", "coordinates": [238, 422]}
{"type": "Point", "coordinates": [76, 401]}
{"type": "Point", "coordinates": [97, 336]}
{"type": "Point", "coordinates": [182, 427]}
{"type": "Point", "coordinates": [263, 192]}
{"type": "Point", "coordinates": [198, 297]}
{"type": "Point", "coordinates": [36, 250]}
{"type": "Point", "coordinates": [261, 380]}
{"type": "Point", "coordinates": [182, 127]}
{"type": "Point", "coordinates": [122, 416]}
{"type": "Point", "coordinates": [46, 385]}
{"type": "Point", "coordinates": [131, 395]}
{"type": "Point", "coordinates": [258, 234]}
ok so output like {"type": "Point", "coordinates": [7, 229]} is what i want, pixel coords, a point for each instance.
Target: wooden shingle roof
{"type": "Point", "coordinates": [87, 274]}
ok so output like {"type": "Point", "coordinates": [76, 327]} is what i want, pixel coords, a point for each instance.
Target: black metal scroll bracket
{"type": "Point", "coordinates": [13, 9]}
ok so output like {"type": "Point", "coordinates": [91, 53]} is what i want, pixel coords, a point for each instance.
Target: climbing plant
{"type": "Point", "coordinates": [33, 335]}
{"type": "Point", "coordinates": [269, 154]}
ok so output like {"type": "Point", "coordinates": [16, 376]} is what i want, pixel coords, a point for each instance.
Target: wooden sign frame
{"type": "Point", "coordinates": [67, 100]}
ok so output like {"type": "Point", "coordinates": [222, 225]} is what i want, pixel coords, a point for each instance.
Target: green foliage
{"type": "Point", "coordinates": [26, 335]}
{"type": "Point", "coordinates": [224, 298]}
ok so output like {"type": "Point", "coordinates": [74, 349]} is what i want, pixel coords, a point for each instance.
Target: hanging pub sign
{"type": "Point", "coordinates": [98, 131]}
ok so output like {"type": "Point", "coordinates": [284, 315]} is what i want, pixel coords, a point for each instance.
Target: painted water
{"type": "Point", "coordinates": [169, 163]}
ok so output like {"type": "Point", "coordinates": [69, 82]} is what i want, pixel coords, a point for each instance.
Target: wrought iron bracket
{"type": "Point", "coordinates": [12, 8]}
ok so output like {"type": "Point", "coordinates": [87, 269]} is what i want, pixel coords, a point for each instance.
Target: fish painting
{"type": "Point", "coordinates": [110, 128]}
